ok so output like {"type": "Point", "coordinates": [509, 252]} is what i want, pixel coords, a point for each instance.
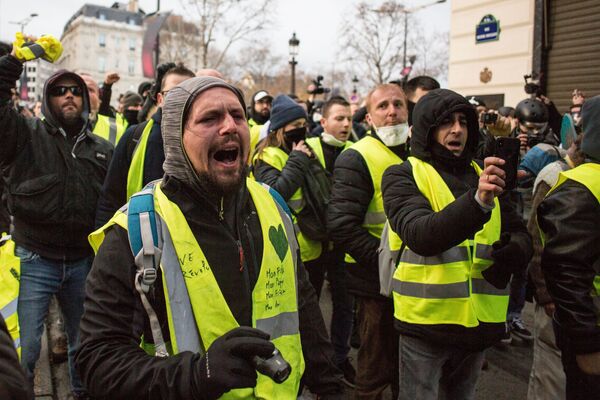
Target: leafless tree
{"type": "Point", "coordinates": [372, 39]}
{"type": "Point", "coordinates": [432, 55]}
{"type": "Point", "coordinates": [225, 21]}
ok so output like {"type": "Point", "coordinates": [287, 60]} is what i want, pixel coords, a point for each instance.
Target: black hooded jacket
{"type": "Point", "coordinates": [54, 176]}
{"type": "Point", "coordinates": [569, 218]}
{"type": "Point", "coordinates": [427, 232]}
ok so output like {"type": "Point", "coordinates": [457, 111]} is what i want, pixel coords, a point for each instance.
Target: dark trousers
{"type": "Point", "coordinates": [332, 262]}
{"type": "Point", "coordinates": [580, 385]}
{"type": "Point", "coordinates": [377, 361]}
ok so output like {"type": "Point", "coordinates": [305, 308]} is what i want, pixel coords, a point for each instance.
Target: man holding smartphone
{"type": "Point", "coordinates": [461, 241]}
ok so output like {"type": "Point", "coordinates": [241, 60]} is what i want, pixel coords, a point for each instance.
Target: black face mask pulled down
{"type": "Point", "coordinates": [294, 136]}
{"type": "Point", "coordinates": [131, 116]}
{"type": "Point", "coordinates": [444, 157]}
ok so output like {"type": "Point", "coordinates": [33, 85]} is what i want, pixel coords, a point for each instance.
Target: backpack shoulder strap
{"type": "Point", "coordinates": [146, 246]}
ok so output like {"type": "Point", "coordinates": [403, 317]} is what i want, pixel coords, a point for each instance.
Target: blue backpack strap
{"type": "Point", "coordinates": [139, 203]}
{"type": "Point", "coordinates": [278, 199]}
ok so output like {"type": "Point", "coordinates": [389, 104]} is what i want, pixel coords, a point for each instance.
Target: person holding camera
{"type": "Point", "coordinates": [461, 240]}
{"type": "Point", "coordinates": [231, 298]}
{"type": "Point", "coordinates": [55, 167]}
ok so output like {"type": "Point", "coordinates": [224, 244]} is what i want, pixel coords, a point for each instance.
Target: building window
{"type": "Point", "coordinates": [102, 40]}
{"type": "Point", "coordinates": [102, 17]}
{"type": "Point", "coordinates": [33, 79]}
{"type": "Point", "coordinates": [101, 64]}
{"type": "Point", "coordinates": [131, 21]}
{"type": "Point", "coordinates": [131, 68]}
{"type": "Point", "coordinates": [33, 89]}
{"type": "Point", "coordinates": [131, 44]}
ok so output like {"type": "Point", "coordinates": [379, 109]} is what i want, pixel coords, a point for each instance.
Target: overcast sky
{"type": "Point", "coordinates": [316, 22]}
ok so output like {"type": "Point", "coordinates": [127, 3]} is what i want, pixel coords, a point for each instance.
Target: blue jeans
{"type": "Point", "coordinates": [41, 278]}
{"type": "Point", "coordinates": [429, 370]}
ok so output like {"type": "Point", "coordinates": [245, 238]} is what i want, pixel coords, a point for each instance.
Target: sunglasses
{"type": "Point", "coordinates": [59, 91]}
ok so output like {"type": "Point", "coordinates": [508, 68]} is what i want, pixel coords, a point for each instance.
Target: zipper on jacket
{"type": "Point", "coordinates": [79, 139]}
{"type": "Point", "coordinates": [221, 211]}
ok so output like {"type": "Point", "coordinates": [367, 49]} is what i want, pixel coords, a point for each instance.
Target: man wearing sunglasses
{"type": "Point", "coordinates": [54, 167]}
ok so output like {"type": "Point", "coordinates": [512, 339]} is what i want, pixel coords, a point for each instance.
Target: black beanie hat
{"type": "Point", "coordinates": [283, 111]}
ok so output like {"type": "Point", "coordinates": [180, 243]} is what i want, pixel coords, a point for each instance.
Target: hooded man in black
{"type": "Point", "coordinates": [569, 218]}
{"type": "Point", "coordinates": [54, 167]}
{"type": "Point", "coordinates": [443, 142]}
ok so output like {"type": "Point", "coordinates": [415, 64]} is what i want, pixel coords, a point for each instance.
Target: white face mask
{"type": "Point", "coordinates": [331, 140]}
{"type": "Point", "coordinates": [393, 135]}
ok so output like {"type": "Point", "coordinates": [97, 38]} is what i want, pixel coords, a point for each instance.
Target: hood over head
{"type": "Point", "coordinates": [174, 114]}
{"type": "Point", "coordinates": [428, 114]}
{"type": "Point", "coordinates": [590, 121]}
{"type": "Point", "coordinates": [50, 83]}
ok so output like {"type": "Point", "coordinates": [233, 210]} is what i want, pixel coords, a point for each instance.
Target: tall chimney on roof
{"type": "Point", "coordinates": [132, 6]}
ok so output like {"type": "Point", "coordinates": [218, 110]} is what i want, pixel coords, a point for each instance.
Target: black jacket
{"type": "Point", "coordinates": [427, 232]}
{"type": "Point", "coordinates": [13, 384]}
{"type": "Point", "coordinates": [289, 179]}
{"type": "Point", "coordinates": [54, 176]}
{"type": "Point", "coordinates": [109, 359]}
{"type": "Point", "coordinates": [351, 194]}
{"type": "Point", "coordinates": [114, 190]}
{"type": "Point", "coordinates": [569, 218]}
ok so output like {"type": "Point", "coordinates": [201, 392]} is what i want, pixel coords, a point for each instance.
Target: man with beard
{"type": "Point", "coordinates": [55, 167]}
{"type": "Point", "coordinates": [231, 287]}
{"type": "Point", "coordinates": [460, 243]}
{"type": "Point", "coordinates": [259, 113]}
{"type": "Point", "coordinates": [356, 221]}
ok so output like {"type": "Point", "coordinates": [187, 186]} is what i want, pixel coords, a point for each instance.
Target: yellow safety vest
{"type": "Point", "coordinates": [188, 281]}
{"type": "Point", "coordinates": [277, 158]}
{"type": "Point", "coordinates": [110, 129]}
{"type": "Point", "coordinates": [10, 274]}
{"type": "Point", "coordinates": [448, 288]}
{"type": "Point", "coordinates": [317, 146]}
{"type": "Point", "coordinates": [588, 175]}
{"type": "Point", "coordinates": [255, 128]}
{"type": "Point", "coordinates": [378, 158]}
{"type": "Point", "coordinates": [135, 175]}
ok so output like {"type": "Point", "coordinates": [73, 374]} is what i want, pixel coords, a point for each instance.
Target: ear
{"type": "Point", "coordinates": [159, 99]}
{"type": "Point", "coordinates": [323, 122]}
{"type": "Point", "coordinates": [368, 119]}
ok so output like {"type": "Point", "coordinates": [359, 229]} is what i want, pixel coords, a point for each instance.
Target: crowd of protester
{"type": "Point", "coordinates": [186, 238]}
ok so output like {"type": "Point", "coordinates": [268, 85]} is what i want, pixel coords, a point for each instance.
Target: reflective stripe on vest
{"type": "Point", "coordinates": [277, 158]}
{"type": "Point", "coordinates": [135, 174]}
{"type": "Point", "coordinates": [378, 158]}
{"type": "Point", "coordinates": [448, 288]}
{"type": "Point", "coordinates": [196, 309]}
{"type": "Point", "coordinates": [588, 175]}
{"type": "Point", "coordinates": [10, 273]}
{"type": "Point", "coordinates": [110, 129]}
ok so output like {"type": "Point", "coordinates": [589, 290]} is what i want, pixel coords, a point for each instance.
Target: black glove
{"type": "Point", "coordinates": [228, 362]}
{"type": "Point", "coordinates": [508, 259]}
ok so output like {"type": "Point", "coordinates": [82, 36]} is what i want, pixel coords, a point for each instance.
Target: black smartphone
{"type": "Point", "coordinates": [508, 148]}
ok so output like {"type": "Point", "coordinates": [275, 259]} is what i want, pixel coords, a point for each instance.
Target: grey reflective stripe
{"type": "Point", "coordinates": [17, 342]}
{"type": "Point", "coordinates": [112, 131]}
{"type": "Point", "coordinates": [184, 324]}
{"type": "Point", "coordinates": [374, 218]}
{"type": "Point", "coordinates": [454, 254]}
{"type": "Point", "coordinates": [280, 325]}
{"type": "Point", "coordinates": [387, 261]}
{"type": "Point", "coordinates": [37, 50]}
{"type": "Point", "coordinates": [295, 204]}
{"type": "Point", "coordinates": [432, 291]}
{"type": "Point", "coordinates": [9, 309]}
{"type": "Point", "coordinates": [483, 251]}
{"type": "Point", "coordinates": [481, 286]}
{"type": "Point", "coordinates": [292, 241]}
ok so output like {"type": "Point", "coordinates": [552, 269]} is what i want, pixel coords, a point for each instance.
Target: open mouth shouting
{"type": "Point", "coordinates": [227, 155]}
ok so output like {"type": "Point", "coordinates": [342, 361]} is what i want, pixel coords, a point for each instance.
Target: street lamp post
{"type": "Point", "coordinates": [294, 43]}
{"type": "Point", "coordinates": [354, 81]}
{"type": "Point", "coordinates": [23, 23]}
{"type": "Point", "coordinates": [407, 11]}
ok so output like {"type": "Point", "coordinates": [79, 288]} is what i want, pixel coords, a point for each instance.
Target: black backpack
{"type": "Point", "coordinates": [316, 191]}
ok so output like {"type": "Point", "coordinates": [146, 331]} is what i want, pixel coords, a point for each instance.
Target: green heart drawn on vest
{"type": "Point", "coordinates": [279, 241]}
